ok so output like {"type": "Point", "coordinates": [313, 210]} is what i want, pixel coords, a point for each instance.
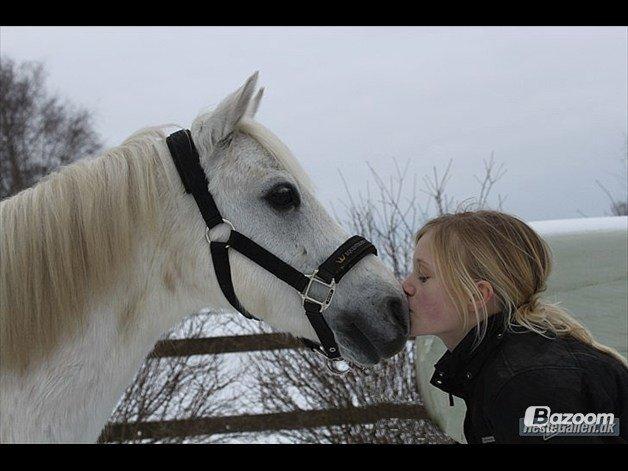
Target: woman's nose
{"type": "Point", "coordinates": [407, 287]}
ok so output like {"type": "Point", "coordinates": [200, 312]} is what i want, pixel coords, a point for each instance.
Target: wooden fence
{"type": "Point", "coordinates": [119, 432]}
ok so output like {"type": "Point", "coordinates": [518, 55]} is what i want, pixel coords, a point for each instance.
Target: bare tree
{"type": "Point", "coordinates": [293, 380]}
{"type": "Point", "coordinates": [179, 387]}
{"type": "Point", "coordinates": [297, 379]}
{"type": "Point", "coordinates": [38, 131]}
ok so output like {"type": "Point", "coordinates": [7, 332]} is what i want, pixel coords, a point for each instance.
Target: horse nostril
{"type": "Point", "coordinates": [398, 311]}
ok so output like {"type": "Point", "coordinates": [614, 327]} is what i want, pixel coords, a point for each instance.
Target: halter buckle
{"type": "Point", "coordinates": [324, 304]}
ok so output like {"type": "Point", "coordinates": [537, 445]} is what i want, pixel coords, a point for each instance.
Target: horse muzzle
{"type": "Point", "coordinates": [369, 337]}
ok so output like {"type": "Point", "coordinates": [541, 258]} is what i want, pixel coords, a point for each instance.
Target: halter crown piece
{"type": "Point", "coordinates": [327, 275]}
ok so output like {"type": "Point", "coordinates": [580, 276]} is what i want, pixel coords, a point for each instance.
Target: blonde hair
{"type": "Point", "coordinates": [67, 238]}
{"type": "Point", "coordinates": [469, 246]}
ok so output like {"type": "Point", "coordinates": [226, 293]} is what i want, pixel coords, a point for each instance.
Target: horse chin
{"type": "Point", "coordinates": [360, 358]}
{"type": "Point", "coordinates": [356, 347]}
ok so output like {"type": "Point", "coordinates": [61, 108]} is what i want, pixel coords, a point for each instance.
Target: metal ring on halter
{"type": "Point", "coordinates": [333, 366]}
{"type": "Point", "coordinates": [226, 221]}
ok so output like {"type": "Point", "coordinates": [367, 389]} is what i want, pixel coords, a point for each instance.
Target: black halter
{"type": "Point", "coordinates": [327, 275]}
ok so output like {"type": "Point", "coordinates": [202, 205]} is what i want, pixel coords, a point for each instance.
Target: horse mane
{"type": "Point", "coordinates": [65, 239]}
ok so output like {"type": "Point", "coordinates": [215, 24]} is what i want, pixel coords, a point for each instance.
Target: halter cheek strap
{"type": "Point", "coordinates": [187, 162]}
{"type": "Point", "coordinates": [328, 274]}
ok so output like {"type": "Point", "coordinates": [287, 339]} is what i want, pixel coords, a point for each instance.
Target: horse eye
{"type": "Point", "coordinates": [283, 196]}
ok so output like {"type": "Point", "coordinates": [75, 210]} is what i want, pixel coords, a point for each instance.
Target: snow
{"type": "Point", "coordinates": [581, 225]}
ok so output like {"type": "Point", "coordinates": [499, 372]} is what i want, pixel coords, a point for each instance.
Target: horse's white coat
{"type": "Point", "coordinates": [68, 396]}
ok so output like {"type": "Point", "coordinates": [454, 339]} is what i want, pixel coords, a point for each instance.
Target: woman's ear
{"type": "Point", "coordinates": [487, 296]}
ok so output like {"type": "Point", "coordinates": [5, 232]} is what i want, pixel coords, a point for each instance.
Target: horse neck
{"type": "Point", "coordinates": [168, 277]}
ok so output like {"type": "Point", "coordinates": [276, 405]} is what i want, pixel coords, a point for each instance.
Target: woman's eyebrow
{"type": "Point", "coordinates": [418, 261]}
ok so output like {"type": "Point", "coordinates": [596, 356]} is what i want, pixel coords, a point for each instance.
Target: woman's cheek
{"type": "Point", "coordinates": [428, 317]}
{"type": "Point", "coordinates": [421, 315]}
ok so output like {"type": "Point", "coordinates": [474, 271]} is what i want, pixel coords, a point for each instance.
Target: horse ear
{"type": "Point", "coordinates": [211, 128]}
{"type": "Point", "coordinates": [254, 104]}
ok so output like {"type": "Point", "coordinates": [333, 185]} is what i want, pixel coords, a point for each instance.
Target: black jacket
{"type": "Point", "coordinates": [510, 371]}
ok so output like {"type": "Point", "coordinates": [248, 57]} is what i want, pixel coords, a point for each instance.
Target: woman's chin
{"type": "Point", "coordinates": [416, 326]}
{"type": "Point", "coordinates": [418, 329]}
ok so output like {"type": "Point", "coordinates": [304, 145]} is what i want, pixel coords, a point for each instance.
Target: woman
{"type": "Point", "coordinates": [475, 284]}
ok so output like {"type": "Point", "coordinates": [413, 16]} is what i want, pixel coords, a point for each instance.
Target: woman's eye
{"type": "Point", "coordinates": [423, 279]}
{"type": "Point", "coordinates": [283, 196]}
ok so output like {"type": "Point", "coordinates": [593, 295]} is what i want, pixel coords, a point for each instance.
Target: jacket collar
{"type": "Point", "coordinates": [456, 371]}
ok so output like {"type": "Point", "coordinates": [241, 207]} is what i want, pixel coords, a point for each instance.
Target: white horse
{"type": "Point", "coordinates": [101, 258]}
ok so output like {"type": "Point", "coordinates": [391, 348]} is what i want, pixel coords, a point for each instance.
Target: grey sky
{"type": "Point", "coordinates": [550, 102]}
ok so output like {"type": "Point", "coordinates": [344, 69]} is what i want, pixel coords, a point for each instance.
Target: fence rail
{"type": "Point", "coordinates": [118, 432]}
{"type": "Point", "coordinates": [226, 344]}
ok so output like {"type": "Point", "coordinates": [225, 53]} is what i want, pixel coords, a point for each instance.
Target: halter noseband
{"type": "Point", "coordinates": [327, 275]}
